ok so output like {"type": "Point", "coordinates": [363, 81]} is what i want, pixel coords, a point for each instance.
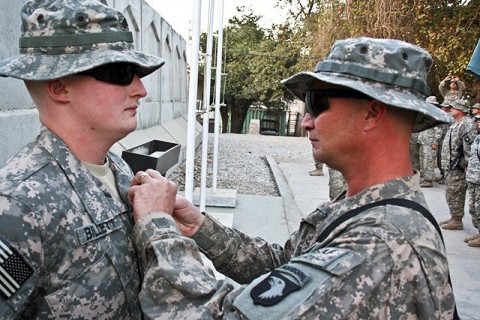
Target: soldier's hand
{"type": "Point", "coordinates": [150, 192]}
{"type": "Point", "coordinates": [187, 216]}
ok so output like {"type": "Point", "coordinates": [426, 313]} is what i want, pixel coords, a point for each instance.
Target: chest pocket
{"type": "Point", "coordinates": [103, 275]}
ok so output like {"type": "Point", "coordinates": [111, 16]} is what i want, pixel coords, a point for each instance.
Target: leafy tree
{"type": "Point", "coordinates": [448, 29]}
{"type": "Point", "coordinates": [256, 60]}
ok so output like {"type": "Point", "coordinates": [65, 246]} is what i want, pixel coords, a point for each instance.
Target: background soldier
{"type": "Point", "coordinates": [457, 144]}
{"type": "Point", "coordinates": [429, 140]}
{"type": "Point", "coordinates": [473, 180]}
{"type": "Point", "coordinates": [452, 88]}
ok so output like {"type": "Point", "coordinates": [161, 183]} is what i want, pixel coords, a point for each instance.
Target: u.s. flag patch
{"type": "Point", "coordinates": [14, 270]}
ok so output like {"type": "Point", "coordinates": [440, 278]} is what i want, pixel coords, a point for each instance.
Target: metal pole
{"type": "Point", "coordinates": [206, 105]}
{"type": "Point", "coordinates": [218, 84]}
{"type": "Point", "coordinates": [192, 101]}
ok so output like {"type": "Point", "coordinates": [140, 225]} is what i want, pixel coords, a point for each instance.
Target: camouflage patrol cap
{"type": "Point", "coordinates": [391, 71]}
{"type": "Point", "coordinates": [432, 100]}
{"type": "Point", "coordinates": [65, 37]}
{"type": "Point", "coordinates": [460, 104]}
{"type": "Point", "coordinates": [476, 106]}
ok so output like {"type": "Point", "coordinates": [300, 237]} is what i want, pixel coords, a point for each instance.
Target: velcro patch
{"type": "Point", "coordinates": [14, 270]}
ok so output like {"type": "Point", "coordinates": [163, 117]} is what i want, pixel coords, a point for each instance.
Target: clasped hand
{"type": "Point", "coordinates": [151, 192]}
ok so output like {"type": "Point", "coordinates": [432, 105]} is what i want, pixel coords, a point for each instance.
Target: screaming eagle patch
{"type": "Point", "coordinates": [277, 285]}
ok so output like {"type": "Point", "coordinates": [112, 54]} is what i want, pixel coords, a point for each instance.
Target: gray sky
{"type": "Point", "coordinates": [179, 13]}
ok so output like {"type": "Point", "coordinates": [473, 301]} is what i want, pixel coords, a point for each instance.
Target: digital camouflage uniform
{"type": "Point", "coordinates": [448, 94]}
{"type": "Point", "coordinates": [415, 151]}
{"type": "Point", "coordinates": [71, 233]}
{"type": "Point", "coordinates": [358, 272]}
{"type": "Point", "coordinates": [473, 179]}
{"type": "Point", "coordinates": [428, 155]}
{"type": "Point", "coordinates": [336, 183]}
{"type": "Point", "coordinates": [65, 247]}
{"type": "Point", "coordinates": [461, 132]}
{"type": "Point", "coordinates": [387, 263]}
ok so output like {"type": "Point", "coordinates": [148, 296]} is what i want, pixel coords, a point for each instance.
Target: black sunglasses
{"type": "Point", "coordinates": [316, 101]}
{"type": "Point", "coordinates": [116, 73]}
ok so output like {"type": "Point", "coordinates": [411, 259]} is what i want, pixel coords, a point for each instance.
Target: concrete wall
{"type": "Point", "coordinates": [162, 114]}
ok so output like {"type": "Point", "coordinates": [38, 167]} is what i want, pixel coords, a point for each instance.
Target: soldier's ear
{"type": "Point", "coordinates": [375, 113]}
{"type": "Point", "coordinates": [58, 90]}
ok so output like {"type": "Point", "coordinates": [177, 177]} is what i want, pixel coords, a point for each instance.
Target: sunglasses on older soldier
{"type": "Point", "coordinates": [316, 101]}
{"type": "Point", "coordinates": [115, 73]}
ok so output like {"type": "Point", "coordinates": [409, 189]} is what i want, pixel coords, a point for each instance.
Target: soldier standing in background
{"type": "Point", "coordinates": [445, 106]}
{"type": "Point", "coordinates": [65, 220]}
{"type": "Point", "coordinates": [429, 140]}
{"type": "Point", "coordinates": [415, 152]}
{"type": "Point", "coordinates": [452, 88]}
{"type": "Point", "coordinates": [336, 183]}
{"type": "Point", "coordinates": [456, 145]}
{"type": "Point", "coordinates": [475, 109]}
{"type": "Point", "coordinates": [473, 181]}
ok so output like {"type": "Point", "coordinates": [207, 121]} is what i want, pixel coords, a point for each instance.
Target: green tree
{"type": "Point", "coordinates": [256, 59]}
{"type": "Point", "coordinates": [448, 29]}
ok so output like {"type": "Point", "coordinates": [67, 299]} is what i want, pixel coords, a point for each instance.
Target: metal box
{"type": "Point", "coordinates": [155, 154]}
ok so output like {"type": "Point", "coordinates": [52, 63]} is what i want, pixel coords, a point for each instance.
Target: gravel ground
{"type": "Point", "coordinates": [242, 163]}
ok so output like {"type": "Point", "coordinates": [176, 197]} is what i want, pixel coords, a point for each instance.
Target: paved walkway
{"type": "Point", "coordinates": [274, 218]}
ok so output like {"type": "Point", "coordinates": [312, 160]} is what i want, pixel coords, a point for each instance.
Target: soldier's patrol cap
{"type": "Point", "coordinates": [432, 100]}
{"type": "Point", "coordinates": [476, 106]}
{"type": "Point", "coordinates": [65, 37]}
{"type": "Point", "coordinates": [460, 104]}
{"type": "Point", "coordinates": [446, 104]}
{"type": "Point", "coordinates": [391, 71]}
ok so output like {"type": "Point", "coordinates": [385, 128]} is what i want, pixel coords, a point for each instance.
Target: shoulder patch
{"type": "Point", "coordinates": [14, 270]}
{"type": "Point", "coordinates": [276, 286]}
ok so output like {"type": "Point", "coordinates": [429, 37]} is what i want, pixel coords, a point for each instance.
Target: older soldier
{"type": "Point", "coordinates": [65, 221]}
{"type": "Point", "coordinates": [387, 261]}
{"type": "Point", "coordinates": [456, 146]}
{"type": "Point", "coordinates": [429, 140]}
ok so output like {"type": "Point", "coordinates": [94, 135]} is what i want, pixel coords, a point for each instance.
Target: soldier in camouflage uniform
{"type": "Point", "coordinates": [475, 110]}
{"type": "Point", "coordinates": [473, 181]}
{"type": "Point", "coordinates": [415, 151]}
{"type": "Point", "coordinates": [388, 262]}
{"type": "Point", "coordinates": [336, 183]}
{"type": "Point", "coordinates": [452, 88]}
{"type": "Point", "coordinates": [445, 106]}
{"type": "Point", "coordinates": [456, 148]}
{"type": "Point", "coordinates": [65, 221]}
{"type": "Point", "coordinates": [429, 140]}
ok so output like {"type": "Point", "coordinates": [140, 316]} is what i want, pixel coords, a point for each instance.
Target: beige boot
{"type": "Point", "coordinates": [453, 224]}
{"type": "Point", "coordinates": [426, 184]}
{"type": "Point", "coordinates": [468, 239]}
{"type": "Point", "coordinates": [445, 221]}
{"type": "Point", "coordinates": [475, 242]}
{"type": "Point", "coordinates": [316, 172]}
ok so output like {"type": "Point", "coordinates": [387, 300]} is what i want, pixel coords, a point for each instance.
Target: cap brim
{"type": "Point", "coordinates": [48, 67]}
{"type": "Point", "coordinates": [428, 115]}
